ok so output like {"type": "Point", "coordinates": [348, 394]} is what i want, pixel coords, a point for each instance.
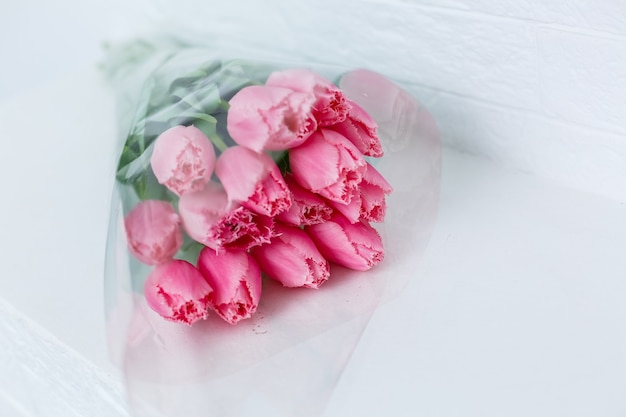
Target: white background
{"type": "Point", "coordinates": [539, 85]}
{"type": "Point", "coordinates": [518, 309]}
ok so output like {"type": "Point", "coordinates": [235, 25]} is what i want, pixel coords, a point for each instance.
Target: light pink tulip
{"type": "Point", "coordinates": [183, 159]}
{"type": "Point", "coordinates": [374, 188]}
{"type": "Point", "coordinates": [292, 259]}
{"type": "Point", "coordinates": [353, 245]}
{"type": "Point", "coordinates": [330, 105]}
{"type": "Point", "coordinates": [178, 292]}
{"type": "Point", "coordinates": [306, 208]}
{"type": "Point", "coordinates": [328, 164]}
{"type": "Point", "coordinates": [236, 281]}
{"type": "Point", "coordinates": [254, 180]}
{"type": "Point", "coordinates": [153, 232]}
{"type": "Point", "coordinates": [208, 218]}
{"type": "Point", "coordinates": [360, 129]}
{"type": "Point", "coordinates": [270, 118]}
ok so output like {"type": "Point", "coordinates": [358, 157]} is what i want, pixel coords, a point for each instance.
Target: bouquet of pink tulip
{"type": "Point", "coordinates": [233, 173]}
{"type": "Point", "coordinates": [242, 186]}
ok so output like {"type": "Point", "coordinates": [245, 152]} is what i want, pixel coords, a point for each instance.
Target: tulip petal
{"type": "Point", "coordinates": [330, 105]}
{"type": "Point", "coordinates": [243, 229]}
{"type": "Point", "coordinates": [307, 208]}
{"type": "Point", "coordinates": [183, 159]}
{"type": "Point", "coordinates": [353, 210]}
{"type": "Point", "coordinates": [153, 232]}
{"type": "Point", "coordinates": [254, 180]}
{"type": "Point", "coordinates": [208, 219]}
{"type": "Point", "coordinates": [373, 204]}
{"type": "Point", "coordinates": [373, 177]}
{"type": "Point", "coordinates": [235, 278]}
{"type": "Point", "coordinates": [271, 196]}
{"type": "Point", "coordinates": [356, 246]}
{"type": "Point", "coordinates": [292, 259]}
{"type": "Point", "coordinates": [178, 292]}
{"type": "Point", "coordinates": [360, 129]}
{"type": "Point", "coordinates": [270, 118]}
{"type": "Point", "coordinates": [374, 188]}
{"type": "Point", "coordinates": [329, 165]}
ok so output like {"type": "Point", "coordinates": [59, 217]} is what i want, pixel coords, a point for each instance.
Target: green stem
{"type": "Point", "coordinates": [224, 105]}
{"type": "Point", "coordinates": [218, 142]}
{"type": "Point", "coordinates": [212, 135]}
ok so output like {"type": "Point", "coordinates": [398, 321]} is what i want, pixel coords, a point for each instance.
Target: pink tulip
{"type": "Point", "coordinates": [183, 159]}
{"type": "Point", "coordinates": [329, 165]}
{"type": "Point", "coordinates": [360, 129]}
{"type": "Point", "coordinates": [374, 188]}
{"type": "Point", "coordinates": [270, 118]}
{"type": "Point", "coordinates": [236, 280]}
{"type": "Point", "coordinates": [254, 180]}
{"type": "Point", "coordinates": [209, 219]}
{"type": "Point", "coordinates": [292, 259]}
{"type": "Point", "coordinates": [306, 208]}
{"type": "Point", "coordinates": [178, 292]}
{"type": "Point", "coordinates": [330, 105]}
{"type": "Point", "coordinates": [153, 232]}
{"type": "Point", "coordinates": [352, 210]}
{"type": "Point", "coordinates": [353, 245]}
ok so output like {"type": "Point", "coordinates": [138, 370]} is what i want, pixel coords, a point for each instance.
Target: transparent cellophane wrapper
{"type": "Point", "coordinates": [287, 358]}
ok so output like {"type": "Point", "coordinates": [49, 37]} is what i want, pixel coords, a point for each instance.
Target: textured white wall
{"type": "Point", "coordinates": [536, 84]}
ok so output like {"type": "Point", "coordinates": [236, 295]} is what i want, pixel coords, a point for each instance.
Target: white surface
{"type": "Point", "coordinates": [9, 408]}
{"type": "Point", "coordinates": [518, 310]}
{"type": "Point", "coordinates": [55, 228]}
{"type": "Point", "coordinates": [54, 222]}
{"type": "Point", "coordinates": [538, 85]}
{"type": "Point", "coordinates": [519, 307]}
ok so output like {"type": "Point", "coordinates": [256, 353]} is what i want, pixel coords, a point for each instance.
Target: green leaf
{"type": "Point", "coordinates": [187, 79]}
{"type": "Point", "coordinates": [203, 97]}
{"type": "Point", "coordinates": [206, 117]}
{"type": "Point", "coordinates": [206, 126]}
{"type": "Point", "coordinates": [165, 113]}
{"type": "Point", "coordinates": [158, 96]}
{"type": "Point", "coordinates": [190, 250]}
{"type": "Point", "coordinates": [132, 150]}
{"type": "Point", "coordinates": [148, 188]}
{"type": "Point", "coordinates": [282, 160]}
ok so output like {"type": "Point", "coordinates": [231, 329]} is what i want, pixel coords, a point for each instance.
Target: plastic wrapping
{"type": "Point", "coordinates": [287, 358]}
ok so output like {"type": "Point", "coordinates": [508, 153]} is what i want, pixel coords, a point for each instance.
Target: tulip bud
{"type": "Point", "coordinates": [329, 165]}
{"type": "Point", "coordinates": [153, 232]}
{"type": "Point", "coordinates": [353, 245]}
{"type": "Point", "coordinates": [292, 259]}
{"type": "Point", "coordinates": [254, 180]}
{"type": "Point", "coordinates": [306, 207]}
{"type": "Point", "coordinates": [352, 210]}
{"type": "Point", "coordinates": [374, 188]}
{"type": "Point", "coordinates": [330, 105]}
{"type": "Point", "coordinates": [209, 219]}
{"type": "Point", "coordinates": [183, 159]}
{"type": "Point", "coordinates": [235, 278]}
{"type": "Point", "coordinates": [178, 292]}
{"type": "Point", "coordinates": [270, 118]}
{"type": "Point", "coordinates": [360, 129]}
